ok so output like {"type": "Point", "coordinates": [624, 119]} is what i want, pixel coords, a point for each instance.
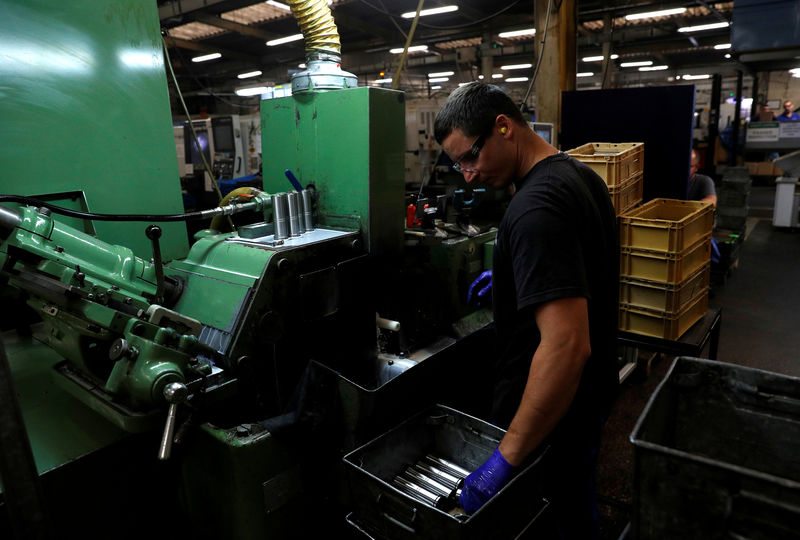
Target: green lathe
{"type": "Point", "coordinates": [210, 389]}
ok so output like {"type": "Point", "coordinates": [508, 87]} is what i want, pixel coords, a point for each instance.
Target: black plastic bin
{"type": "Point", "coordinates": [717, 455]}
{"type": "Point", "coordinates": [382, 511]}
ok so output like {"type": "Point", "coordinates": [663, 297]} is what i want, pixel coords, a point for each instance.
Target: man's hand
{"type": "Point", "coordinates": [485, 481]}
{"type": "Point", "coordinates": [481, 289]}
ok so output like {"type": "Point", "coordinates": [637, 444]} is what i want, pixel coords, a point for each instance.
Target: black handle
{"type": "Point", "coordinates": [394, 504]}
{"type": "Point", "coordinates": [153, 232]}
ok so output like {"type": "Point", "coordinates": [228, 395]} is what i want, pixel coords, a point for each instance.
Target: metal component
{"type": "Point", "coordinates": [119, 350]}
{"type": "Point", "coordinates": [301, 210]}
{"type": "Point", "coordinates": [280, 211]}
{"type": "Point", "coordinates": [387, 324]}
{"type": "Point", "coordinates": [174, 393]}
{"type": "Point", "coordinates": [162, 316]}
{"type": "Point", "coordinates": [417, 492]}
{"type": "Point", "coordinates": [438, 474]}
{"type": "Point", "coordinates": [448, 465]}
{"type": "Point", "coordinates": [294, 225]}
{"type": "Point", "coordinates": [153, 232]}
{"type": "Point", "coordinates": [43, 211]}
{"type": "Point", "coordinates": [308, 210]}
{"type": "Point", "coordinates": [428, 483]}
{"type": "Point", "coordinates": [8, 218]}
{"type": "Point", "coordinates": [322, 75]}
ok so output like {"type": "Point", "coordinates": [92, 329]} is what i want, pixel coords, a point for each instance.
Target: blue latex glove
{"type": "Point", "coordinates": [481, 289]}
{"type": "Point", "coordinates": [715, 255]}
{"type": "Point", "coordinates": [485, 481]}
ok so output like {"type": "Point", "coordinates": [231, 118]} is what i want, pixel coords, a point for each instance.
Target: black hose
{"type": "Point", "coordinates": [103, 217]}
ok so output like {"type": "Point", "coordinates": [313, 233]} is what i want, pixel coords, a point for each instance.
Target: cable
{"type": "Point", "coordinates": [541, 54]}
{"type": "Point", "coordinates": [202, 214]}
{"type": "Point", "coordinates": [394, 22]}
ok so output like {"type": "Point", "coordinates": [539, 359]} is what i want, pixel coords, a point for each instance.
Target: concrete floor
{"type": "Point", "coordinates": [760, 301]}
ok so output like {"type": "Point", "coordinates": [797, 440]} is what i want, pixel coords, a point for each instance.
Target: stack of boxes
{"type": "Point", "coordinates": [620, 165]}
{"type": "Point", "coordinates": [665, 249]}
{"type": "Point", "coordinates": [732, 199]}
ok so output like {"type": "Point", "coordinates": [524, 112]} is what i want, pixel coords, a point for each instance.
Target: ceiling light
{"type": "Point", "coordinates": [651, 14]}
{"type": "Point", "coordinates": [517, 79]}
{"type": "Point", "coordinates": [415, 48]}
{"type": "Point", "coordinates": [248, 74]}
{"type": "Point", "coordinates": [497, 75]}
{"type": "Point", "coordinates": [653, 68]}
{"type": "Point", "coordinates": [301, 66]}
{"type": "Point", "coordinates": [795, 70]}
{"type": "Point", "coordinates": [463, 83]}
{"type": "Point", "coordinates": [437, 87]}
{"type": "Point", "coordinates": [278, 5]}
{"type": "Point", "coordinates": [442, 74]}
{"type": "Point", "coordinates": [598, 58]}
{"type": "Point", "coordinates": [702, 27]}
{"type": "Point", "coordinates": [206, 57]}
{"type": "Point", "coordinates": [432, 11]}
{"type": "Point", "coordinates": [694, 77]}
{"type": "Point", "coordinates": [382, 81]}
{"type": "Point", "coordinates": [722, 46]}
{"type": "Point", "coordinates": [480, 77]}
{"type": "Point", "coordinates": [253, 91]}
{"type": "Point", "coordinates": [637, 64]}
{"type": "Point", "coordinates": [438, 79]}
{"type": "Point", "coordinates": [517, 66]}
{"type": "Point", "coordinates": [728, 55]}
{"type": "Point", "coordinates": [287, 39]}
{"type": "Point", "coordinates": [515, 33]}
{"type": "Point", "coordinates": [584, 74]}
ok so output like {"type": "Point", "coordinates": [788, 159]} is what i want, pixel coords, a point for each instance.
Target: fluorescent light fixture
{"type": "Point", "coordinates": [598, 58]}
{"type": "Point", "coordinates": [795, 70]}
{"type": "Point", "coordinates": [442, 74]}
{"type": "Point", "coordinates": [415, 48]}
{"type": "Point", "coordinates": [497, 75]}
{"type": "Point", "coordinates": [696, 77]}
{"type": "Point", "coordinates": [462, 84]}
{"type": "Point", "coordinates": [653, 68]}
{"type": "Point", "coordinates": [438, 79]}
{"type": "Point", "coordinates": [382, 81]}
{"type": "Point", "coordinates": [701, 27]}
{"type": "Point", "coordinates": [728, 55]}
{"type": "Point", "coordinates": [480, 77]}
{"type": "Point", "coordinates": [516, 33]}
{"type": "Point", "coordinates": [437, 87]}
{"type": "Point", "coordinates": [206, 57]}
{"type": "Point", "coordinates": [584, 74]}
{"type": "Point", "coordinates": [432, 11]}
{"type": "Point", "coordinates": [254, 91]}
{"type": "Point", "coordinates": [637, 64]}
{"type": "Point", "coordinates": [281, 41]}
{"type": "Point", "coordinates": [278, 5]}
{"type": "Point", "coordinates": [517, 79]}
{"type": "Point", "coordinates": [652, 14]}
{"type": "Point", "coordinates": [722, 46]}
{"type": "Point", "coordinates": [248, 74]}
{"type": "Point", "coordinates": [517, 66]}
{"type": "Point", "coordinates": [301, 66]}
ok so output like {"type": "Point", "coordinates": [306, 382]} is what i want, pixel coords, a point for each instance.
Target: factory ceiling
{"type": "Point", "coordinates": [456, 41]}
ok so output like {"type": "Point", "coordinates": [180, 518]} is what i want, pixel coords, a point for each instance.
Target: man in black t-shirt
{"type": "Point", "coordinates": [556, 279]}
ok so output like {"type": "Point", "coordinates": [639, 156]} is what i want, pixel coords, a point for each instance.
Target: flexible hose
{"type": "Point", "coordinates": [317, 26]}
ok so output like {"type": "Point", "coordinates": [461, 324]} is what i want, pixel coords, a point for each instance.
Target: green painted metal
{"type": "Point", "coordinates": [60, 428]}
{"type": "Point", "coordinates": [351, 145]}
{"type": "Point", "coordinates": [85, 108]}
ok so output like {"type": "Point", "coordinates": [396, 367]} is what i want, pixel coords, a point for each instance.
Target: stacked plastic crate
{"type": "Point", "coordinates": [665, 249]}
{"type": "Point", "coordinates": [620, 165]}
{"type": "Point", "coordinates": [732, 199]}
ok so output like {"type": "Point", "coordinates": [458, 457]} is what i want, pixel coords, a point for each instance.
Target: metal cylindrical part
{"type": "Point", "coordinates": [301, 222]}
{"type": "Point", "coordinates": [9, 218]}
{"type": "Point", "coordinates": [294, 226]}
{"type": "Point", "coordinates": [308, 209]}
{"type": "Point", "coordinates": [428, 483]}
{"type": "Point", "coordinates": [418, 492]}
{"type": "Point", "coordinates": [280, 213]}
{"type": "Point", "coordinates": [448, 465]}
{"type": "Point", "coordinates": [442, 476]}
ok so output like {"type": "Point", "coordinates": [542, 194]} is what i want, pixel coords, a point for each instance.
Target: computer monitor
{"type": "Point", "coordinates": [222, 129]}
{"type": "Point", "coordinates": [543, 130]}
{"type": "Point", "coordinates": [190, 147]}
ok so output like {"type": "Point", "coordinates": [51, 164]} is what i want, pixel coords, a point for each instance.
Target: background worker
{"type": "Point", "coordinates": [555, 301]}
{"type": "Point", "coordinates": [701, 187]}
{"type": "Point", "coordinates": [788, 114]}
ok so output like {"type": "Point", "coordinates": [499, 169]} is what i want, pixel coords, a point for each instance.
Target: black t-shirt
{"type": "Point", "coordinates": [558, 239]}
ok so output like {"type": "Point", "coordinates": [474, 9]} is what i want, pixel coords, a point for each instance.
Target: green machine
{"type": "Point", "coordinates": [232, 375]}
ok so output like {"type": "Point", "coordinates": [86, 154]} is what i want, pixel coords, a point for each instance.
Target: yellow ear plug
{"type": "Point", "coordinates": [503, 130]}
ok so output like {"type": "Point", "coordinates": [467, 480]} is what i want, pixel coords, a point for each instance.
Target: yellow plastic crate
{"type": "Point", "coordinates": [627, 195]}
{"type": "Point", "coordinates": [662, 325]}
{"type": "Point", "coordinates": [666, 225]}
{"type": "Point", "coordinates": [665, 298]}
{"type": "Point", "coordinates": [664, 267]}
{"type": "Point", "coordinates": [613, 162]}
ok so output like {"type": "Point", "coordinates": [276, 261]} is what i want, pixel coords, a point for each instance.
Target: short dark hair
{"type": "Point", "coordinates": [473, 108]}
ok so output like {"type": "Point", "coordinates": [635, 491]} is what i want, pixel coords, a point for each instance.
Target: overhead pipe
{"type": "Point", "coordinates": [323, 49]}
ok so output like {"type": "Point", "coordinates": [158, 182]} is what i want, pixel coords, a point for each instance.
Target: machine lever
{"type": "Point", "coordinates": [175, 393]}
{"type": "Point", "coordinates": [153, 232]}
